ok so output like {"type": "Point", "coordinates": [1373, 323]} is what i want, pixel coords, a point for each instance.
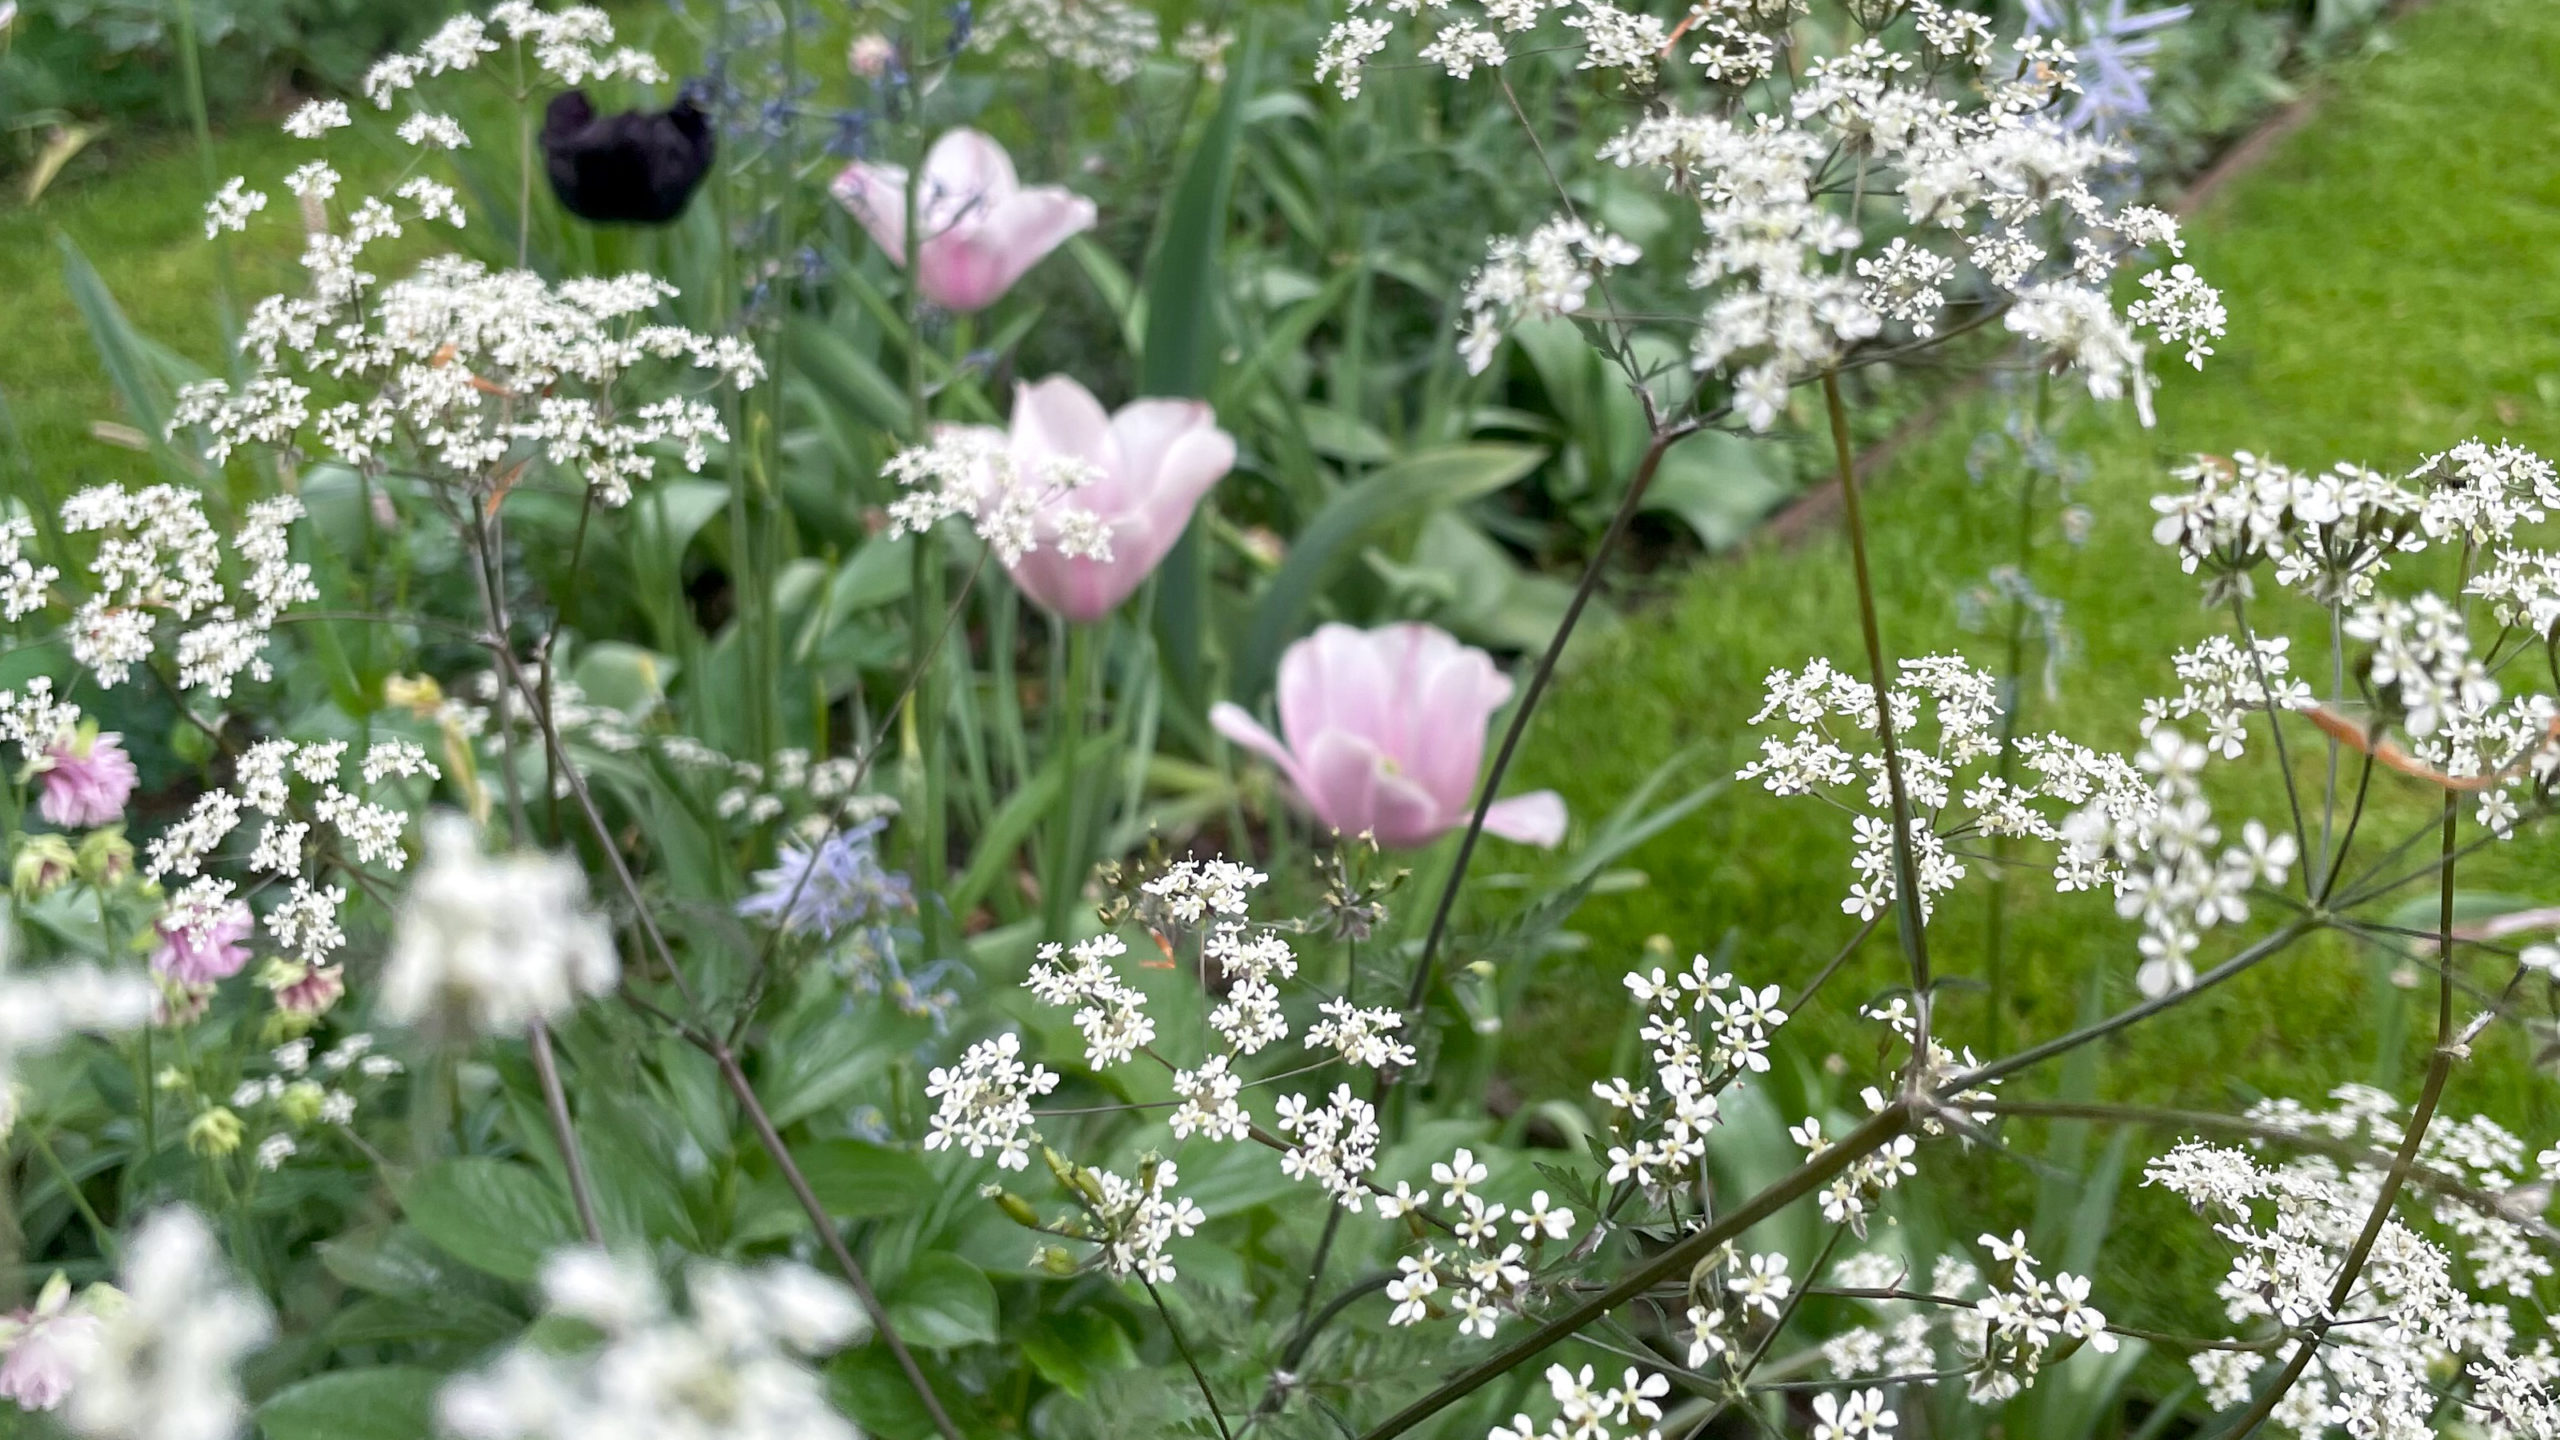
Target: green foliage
{"type": "Point", "coordinates": [67, 60]}
{"type": "Point", "coordinates": [2390, 256]}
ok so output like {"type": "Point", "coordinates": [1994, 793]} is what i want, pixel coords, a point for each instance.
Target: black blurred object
{"type": "Point", "coordinates": [639, 167]}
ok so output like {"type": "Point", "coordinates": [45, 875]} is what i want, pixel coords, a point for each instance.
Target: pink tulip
{"type": "Point", "coordinates": [982, 230]}
{"type": "Point", "coordinates": [1152, 461]}
{"type": "Point", "coordinates": [1386, 728]}
{"type": "Point", "coordinates": [87, 779]}
{"type": "Point", "coordinates": [200, 954]}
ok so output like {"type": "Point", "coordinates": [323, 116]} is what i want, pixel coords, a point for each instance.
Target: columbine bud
{"type": "Point", "coordinates": [106, 857]}
{"type": "Point", "coordinates": [215, 1132]}
{"type": "Point", "coordinates": [417, 694]}
{"type": "Point", "coordinates": [300, 1102]}
{"type": "Point", "coordinates": [869, 55]}
{"type": "Point", "coordinates": [43, 863]}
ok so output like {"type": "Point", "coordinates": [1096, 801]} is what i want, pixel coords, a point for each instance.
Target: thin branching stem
{"type": "Point", "coordinates": [2439, 1068]}
{"type": "Point", "coordinates": [1878, 1130]}
{"type": "Point", "coordinates": [1906, 866]}
{"type": "Point", "coordinates": [1663, 439]}
{"type": "Point", "coordinates": [2063, 1044]}
{"type": "Point", "coordinates": [555, 1102]}
{"type": "Point", "coordinates": [1184, 1346]}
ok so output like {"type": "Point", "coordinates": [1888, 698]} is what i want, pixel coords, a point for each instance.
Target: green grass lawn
{"type": "Point", "coordinates": [2392, 274]}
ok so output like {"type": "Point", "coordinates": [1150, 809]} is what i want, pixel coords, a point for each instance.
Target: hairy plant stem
{"type": "Point", "coordinates": [98, 1231]}
{"type": "Point", "coordinates": [490, 551]}
{"type": "Point", "coordinates": [725, 1057]}
{"type": "Point", "coordinates": [2439, 1068]}
{"type": "Point", "coordinates": [556, 1101]}
{"type": "Point", "coordinates": [200, 121]}
{"type": "Point", "coordinates": [1664, 437]}
{"type": "Point", "coordinates": [1184, 1346]}
{"type": "Point", "coordinates": [1995, 928]}
{"type": "Point", "coordinates": [2062, 1044]}
{"type": "Point", "coordinates": [1878, 1130]}
{"type": "Point", "coordinates": [1906, 867]}
{"type": "Point", "coordinates": [1070, 715]}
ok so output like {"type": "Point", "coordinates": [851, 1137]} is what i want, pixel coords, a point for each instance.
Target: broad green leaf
{"type": "Point", "coordinates": [867, 1384]}
{"type": "Point", "coordinates": [389, 1402]}
{"type": "Point", "coordinates": [944, 1302]}
{"type": "Point", "coordinates": [1070, 1349]}
{"type": "Point", "coordinates": [856, 1179]}
{"type": "Point", "coordinates": [140, 368]}
{"type": "Point", "coordinates": [1180, 354]}
{"type": "Point", "coordinates": [822, 1054]}
{"type": "Point", "coordinates": [1013, 823]}
{"type": "Point", "coordinates": [622, 676]}
{"type": "Point", "coordinates": [397, 1261]}
{"type": "Point", "coordinates": [881, 571]}
{"type": "Point", "coordinates": [1719, 485]}
{"type": "Point", "coordinates": [849, 379]}
{"type": "Point", "coordinates": [669, 513]}
{"type": "Point", "coordinates": [453, 1318]}
{"type": "Point", "coordinates": [1409, 488]}
{"type": "Point", "coordinates": [489, 1214]}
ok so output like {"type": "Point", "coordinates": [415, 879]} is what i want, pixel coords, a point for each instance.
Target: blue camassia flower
{"type": "Point", "coordinates": [838, 891]}
{"type": "Point", "coordinates": [830, 887]}
{"type": "Point", "coordinates": [2115, 83]}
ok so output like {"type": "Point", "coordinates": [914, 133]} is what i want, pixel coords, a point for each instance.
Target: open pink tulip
{"type": "Point", "coordinates": [1153, 462]}
{"type": "Point", "coordinates": [87, 779]}
{"type": "Point", "coordinates": [981, 228]}
{"type": "Point", "coordinates": [1385, 730]}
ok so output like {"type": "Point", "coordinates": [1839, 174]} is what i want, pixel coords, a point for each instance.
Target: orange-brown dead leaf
{"type": "Point", "coordinates": [2389, 755]}
{"type": "Point", "coordinates": [506, 482]}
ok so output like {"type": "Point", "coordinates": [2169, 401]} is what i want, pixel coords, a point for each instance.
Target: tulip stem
{"type": "Point", "coordinates": [1664, 437]}
{"type": "Point", "coordinates": [1067, 830]}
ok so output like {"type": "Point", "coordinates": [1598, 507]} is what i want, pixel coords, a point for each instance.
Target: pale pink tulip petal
{"type": "Point", "coordinates": [1536, 818]}
{"type": "Point", "coordinates": [1150, 432]}
{"type": "Point", "coordinates": [980, 254]}
{"type": "Point", "coordinates": [966, 173]}
{"type": "Point", "coordinates": [1343, 771]}
{"type": "Point", "coordinates": [1360, 685]}
{"type": "Point", "coordinates": [1072, 587]}
{"type": "Point", "coordinates": [1455, 690]}
{"type": "Point", "coordinates": [877, 197]}
{"type": "Point", "coordinates": [1145, 499]}
{"type": "Point", "coordinates": [1058, 417]}
{"type": "Point", "coordinates": [1403, 814]}
{"type": "Point", "coordinates": [1232, 721]}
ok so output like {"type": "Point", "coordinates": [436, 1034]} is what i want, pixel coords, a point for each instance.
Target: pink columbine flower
{"type": "Point", "coordinates": [201, 950]}
{"type": "Point", "coordinates": [310, 989]}
{"type": "Point", "coordinates": [982, 229]}
{"type": "Point", "coordinates": [87, 779]}
{"type": "Point", "coordinates": [1151, 463]}
{"type": "Point", "coordinates": [50, 1345]}
{"type": "Point", "coordinates": [1385, 730]}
